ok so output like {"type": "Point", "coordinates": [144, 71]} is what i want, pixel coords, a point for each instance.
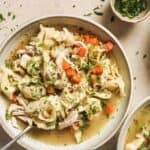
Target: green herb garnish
{"type": "Point", "coordinates": [83, 125]}
{"type": "Point", "coordinates": [97, 11]}
{"type": "Point", "coordinates": [7, 64]}
{"type": "Point", "coordinates": [1, 17]}
{"type": "Point", "coordinates": [6, 88]}
{"type": "Point", "coordinates": [13, 17]}
{"type": "Point", "coordinates": [130, 8]}
{"type": "Point", "coordinates": [53, 123]}
{"type": "Point", "coordinates": [8, 116]}
{"type": "Point", "coordinates": [143, 147]}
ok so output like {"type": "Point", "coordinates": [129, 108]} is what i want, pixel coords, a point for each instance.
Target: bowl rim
{"type": "Point", "coordinates": [125, 19]}
{"type": "Point", "coordinates": [121, 137]}
{"type": "Point", "coordinates": [37, 19]}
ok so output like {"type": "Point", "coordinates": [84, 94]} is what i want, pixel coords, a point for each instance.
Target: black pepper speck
{"type": "Point", "coordinates": [73, 6]}
{"type": "Point", "coordinates": [144, 56]}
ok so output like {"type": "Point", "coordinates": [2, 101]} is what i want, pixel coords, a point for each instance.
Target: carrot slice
{"type": "Point", "coordinates": [65, 65]}
{"type": "Point", "coordinates": [94, 41]}
{"type": "Point", "coordinates": [91, 40]}
{"type": "Point", "coordinates": [87, 39]}
{"type": "Point", "coordinates": [97, 70]}
{"type": "Point", "coordinates": [109, 108]}
{"type": "Point", "coordinates": [76, 79]}
{"type": "Point", "coordinates": [108, 46]}
{"type": "Point", "coordinates": [81, 52]}
{"type": "Point", "coordinates": [14, 98]}
{"type": "Point", "coordinates": [50, 90]}
{"type": "Point", "coordinates": [70, 73]}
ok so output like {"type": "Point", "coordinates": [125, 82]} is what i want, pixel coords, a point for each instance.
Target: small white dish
{"type": "Point", "coordinates": [124, 129]}
{"type": "Point", "coordinates": [141, 17]}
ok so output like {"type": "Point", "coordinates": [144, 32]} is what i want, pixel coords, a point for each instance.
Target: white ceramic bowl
{"type": "Point", "coordinates": [141, 17]}
{"type": "Point", "coordinates": [124, 129]}
{"type": "Point", "coordinates": [113, 125]}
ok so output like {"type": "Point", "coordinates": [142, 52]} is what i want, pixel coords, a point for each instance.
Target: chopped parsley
{"type": "Point", "coordinates": [85, 66]}
{"type": "Point", "coordinates": [83, 125]}
{"type": "Point", "coordinates": [53, 123]}
{"type": "Point", "coordinates": [143, 147]}
{"type": "Point", "coordinates": [103, 104]}
{"type": "Point", "coordinates": [13, 17]}
{"type": "Point", "coordinates": [2, 18]}
{"type": "Point", "coordinates": [97, 11]}
{"type": "Point", "coordinates": [6, 88]}
{"type": "Point", "coordinates": [8, 116]}
{"type": "Point", "coordinates": [130, 8]}
{"type": "Point", "coordinates": [7, 65]}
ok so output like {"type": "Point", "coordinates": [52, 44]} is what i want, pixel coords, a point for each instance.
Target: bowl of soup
{"type": "Point", "coordinates": [135, 133]}
{"type": "Point", "coordinates": [67, 76]}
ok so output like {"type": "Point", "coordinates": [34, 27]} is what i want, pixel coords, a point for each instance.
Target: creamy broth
{"type": "Point", "coordinates": [140, 119]}
{"type": "Point", "coordinates": [65, 137]}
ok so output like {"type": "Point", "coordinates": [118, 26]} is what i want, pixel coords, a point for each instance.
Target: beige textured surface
{"type": "Point", "coordinates": [134, 37]}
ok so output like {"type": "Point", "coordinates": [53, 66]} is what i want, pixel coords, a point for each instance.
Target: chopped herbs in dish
{"type": "Point", "coordinates": [130, 8]}
{"type": "Point", "coordinates": [61, 79]}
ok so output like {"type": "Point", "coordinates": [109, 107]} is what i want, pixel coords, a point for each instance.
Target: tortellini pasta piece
{"type": "Point", "coordinates": [24, 60]}
{"type": "Point", "coordinates": [69, 100]}
{"type": "Point", "coordinates": [42, 109]}
{"type": "Point", "coordinates": [31, 88]}
{"type": "Point", "coordinates": [34, 92]}
{"type": "Point", "coordinates": [8, 82]}
{"type": "Point", "coordinates": [45, 109]}
{"type": "Point", "coordinates": [104, 94]}
{"type": "Point", "coordinates": [33, 66]}
{"type": "Point", "coordinates": [92, 106]}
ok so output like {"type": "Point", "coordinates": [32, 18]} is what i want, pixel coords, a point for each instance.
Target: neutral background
{"type": "Point", "coordinates": [134, 37]}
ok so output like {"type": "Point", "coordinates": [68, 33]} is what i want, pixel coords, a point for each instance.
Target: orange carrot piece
{"type": "Point", "coordinates": [94, 41]}
{"type": "Point", "coordinates": [109, 108]}
{"type": "Point", "coordinates": [108, 46]}
{"type": "Point", "coordinates": [50, 90]}
{"type": "Point", "coordinates": [76, 79]}
{"type": "Point", "coordinates": [65, 65]}
{"type": "Point", "coordinates": [70, 73]}
{"type": "Point", "coordinates": [14, 98]}
{"type": "Point", "coordinates": [87, 39]}
{"type": "Point", "coordinates": [81, 52]}
{"type": "Point", "coordinates": [91, 40]}
{"type": "Point", "coordinates": [97, 70]}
